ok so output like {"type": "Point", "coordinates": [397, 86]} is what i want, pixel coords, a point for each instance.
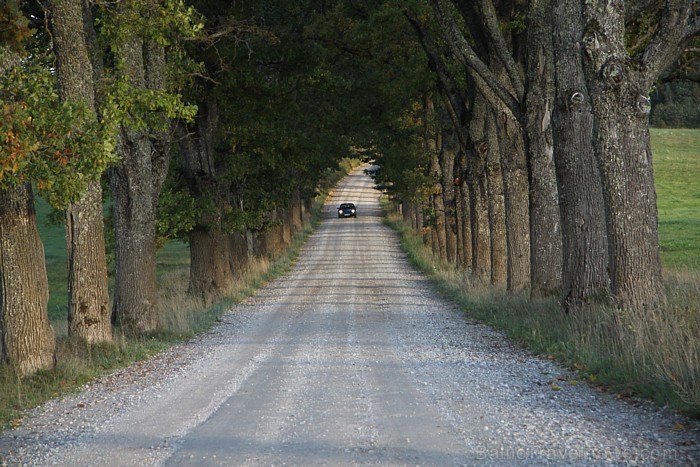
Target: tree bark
{"type": "Point", "coordinates": [448, 153]}
{"type": "Point", "coordinates": [516, 190]}
{"type": "Point", "coordinates": [211, 275]}
{"type": "Point", "coordinates": [136, 184]}
{"type": "Point", "coordinates": [240, 253]}
{"type": "Point", "coordinates": [584, 236]}
{"type": "Point", "coordinates": [498, 227]}
{"type": "Point", "coordinates": [545, 222]}
{"type": "Point", "coordinates": [89, 314]}
{"type": "Point", "coordinates": [27, 337]}
{"type": "Point", "coordinates": [479, 195]}
{"type": "Point", "coordinates": [464, 241]}
{"type": "Point", "coordinates": [133, 189]}
{"type": "Point", "coordinates": [619, 89]}
{"type": "Point", "coordinates": [211, 278]}
{"type": "Point", "coordinates": [437, 203]}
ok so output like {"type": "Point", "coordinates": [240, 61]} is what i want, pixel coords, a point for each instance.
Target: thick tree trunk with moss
{"type": "Point", "coordinates": [136, 184]}
{"type": "Point", "coordinates": [134, 236]}
{"type": "Point", "coordinates": [27, 338]}
{"type": "Point", "coordinates": [584, 237]}
{"type": "Point", "coordinates": [89, 314]}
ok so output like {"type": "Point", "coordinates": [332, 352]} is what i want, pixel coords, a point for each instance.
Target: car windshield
{"type": "Point", "coordinates": [347, 206]}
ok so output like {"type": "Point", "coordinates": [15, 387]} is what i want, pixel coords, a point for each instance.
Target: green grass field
{"type": "Point", "coordinates": [677, 175]}
{"type": "Point", "coordinates": [174, 255]}
{"type": "Point", "coordinates": [54, 238]}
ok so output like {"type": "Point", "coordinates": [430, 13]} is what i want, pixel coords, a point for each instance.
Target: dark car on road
{"type": "Point", "coordinates": [347, 210]}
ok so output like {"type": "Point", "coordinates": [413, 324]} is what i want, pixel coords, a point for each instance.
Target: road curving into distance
{"type": "Point", "coordinates": [349, 359]}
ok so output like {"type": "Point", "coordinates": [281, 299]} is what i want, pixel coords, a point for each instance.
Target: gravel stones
{"type": "Point", "coordinates": [350, 359]}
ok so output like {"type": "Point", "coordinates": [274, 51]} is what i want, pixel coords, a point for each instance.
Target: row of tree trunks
{"type": "Point", "coordinates": [218, 259]}
{"type": "Point", "coordinates": [571, 108]}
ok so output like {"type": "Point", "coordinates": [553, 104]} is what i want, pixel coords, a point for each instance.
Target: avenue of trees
{"type": "Point", "coordinates": [514, 134]}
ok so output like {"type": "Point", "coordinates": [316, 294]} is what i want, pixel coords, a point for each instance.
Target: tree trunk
{"type": "Point", "coordinates": [211, 273]}
{"type": "Point", "coordinates": [481, 231]}
{"type": "Point", "coordinates": [297, 218]}
{"type": "Point", "coordinates": [212, 270]}
{"type": "Point", "coordinates": [437, 205]}
{"type": "Point", "coordinates": [620, 95]}
{"type": "Point", "coordinates": [516, 191]}
{"type": "Point", "coordinates": [464, 207]}
{"type": "Point", "coordinates": [28, 342]}
{"type": "Point", "coordinates": [134, 214]}
{"type": "Point", "coordinates": [448, 153]}
{"type": "Point", "coordinates": [136, 184]}
{"type": "Point", "coordinates": [496, 205]}
{"type": "Point", "coordinates": [88, 297]}
{"type": "Point", "coordinates": [479, 194]}
{"type": "Point", "coordinates": [240, 253]}
{"type": "Point", "coordinates": [284, 214]}
{"type": "Point", "coordinates": [545, 223]}
{"type": "Point", "coordinates": [584, 237]}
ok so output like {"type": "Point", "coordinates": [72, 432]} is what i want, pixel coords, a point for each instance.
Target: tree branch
{"type": "Point", "coordinates": [634, 8]}
{"type": "Point", "coordinates": [668, 41]}
{"type": "Point", "coordinates": [468, 58]}
{"type": "Point", "coordinates": [455, 102]}
{"type": "Point", "coordinates": [489, 19]}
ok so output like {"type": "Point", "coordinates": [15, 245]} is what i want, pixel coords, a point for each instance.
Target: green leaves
{"type": "Point", "coordinates": [57, 145]}
{"type": "Point", "coordinates": [14, 27]}
{"type": "Point", "coordinates": [166, 22]}
{"type": "Point", "coordinates": [143, 109]}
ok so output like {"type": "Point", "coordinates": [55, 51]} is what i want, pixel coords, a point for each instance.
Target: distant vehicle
{"type": "Point", "coordinates": [347, 210]}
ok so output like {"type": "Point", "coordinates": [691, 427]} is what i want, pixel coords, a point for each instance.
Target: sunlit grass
{"type": "Point", "coordinates": [677, 176]}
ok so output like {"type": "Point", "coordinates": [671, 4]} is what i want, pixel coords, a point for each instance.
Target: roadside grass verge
{"type": "Point", "coordinates": [651, 355]}
{"type": "Point", "coordinates": [654, 356]}
{"type": "Point", "coordinates": [182, 317]}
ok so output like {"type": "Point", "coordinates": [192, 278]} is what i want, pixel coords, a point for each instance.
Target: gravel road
{"type": "Point", "coordinates": [350, 359]}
